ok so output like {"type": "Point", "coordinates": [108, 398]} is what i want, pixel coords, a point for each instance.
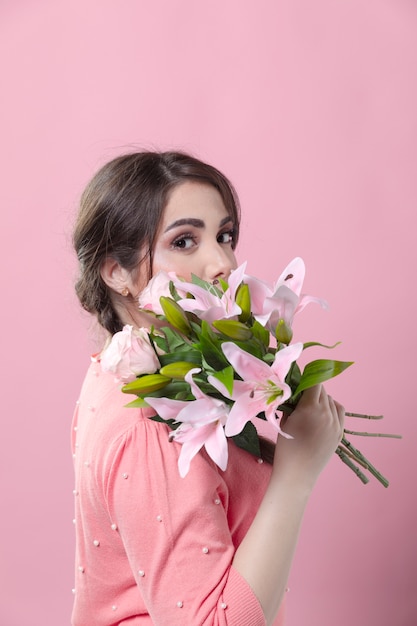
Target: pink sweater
{"type": "Point", "coordinates": [152, 547]}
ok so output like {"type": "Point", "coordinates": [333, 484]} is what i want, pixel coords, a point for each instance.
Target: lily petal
{"type": "Point", "coordinates": [245, 364]}
{"type": "Point", "coordinates": [216, 446]}
{"type": "Point", "coordinates": [293, 276]}
{"type": "Point", "coordinates": [284, 358]}
{"type": "Point", "coordinates": [235, 278]}
{"type": "Point", "coordinates": [192, 440]}
{"type": "Point", "coordinates": [304, 300]}
{"type": "Point", "coordinates": [165, 407]}
{"type": "Point", "coordinates": [259, 290]}
{"type": "Point", "coordinates": [244, 409]}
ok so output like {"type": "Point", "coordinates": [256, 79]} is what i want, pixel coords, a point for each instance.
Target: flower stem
{"type": "Point", "coordinates": [359, 457]}
{"type": "Point", "coordinates": [364, 434]}
{"type": "Point", "coordinates": [363, 416]}
{"type": "Point", "coordinates": [353, 457]}
{"type": "Point", "coordinates": [345, 458]}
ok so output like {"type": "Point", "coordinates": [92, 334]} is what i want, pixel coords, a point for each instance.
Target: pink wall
{"type": "Point", "coordinates": [310, 107]}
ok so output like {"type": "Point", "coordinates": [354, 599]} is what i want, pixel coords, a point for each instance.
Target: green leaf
{"type": "Point", "coordinates": [310, 344]}
{"type": "Point", "coordinates": [174, 339]}
{"type": "Point", "coordinates": [207, 331]}
{"type": "Point", "coordinates": [195, 323]}
{"type": "Point", "coordinates": [209, 346]}
{"type": "Point", "coordinates": [252, 346]}
{"type": "Point", "coordinates": [225, 376]}
{"type": "Point", "coordinates": [161, 342]}
{"type": "Point", "coordinates": [248, 439]}
{"type": "Point", "coordinates": [293, 377]}
{"type": "Point", "coordinates": [139, 403]}
{"type": "Point", "coordinates": [172, 390]}
{"type": "Point", "coordinates": [212, 354]}
{"type": "Point", "coordinates": [205, 285]}
{"type": "Point", "coordinates": [224, 285]}
{"type": "Point", "coordinates": [319, 371]}
{"type": "Point", "coordinates": [261, 333]}
{"type": "Point", "coordinates": [191, 356]}
{"type": "Point", "coordinates": [174, 293]}
{"type": "Point", "coordinates": [171, 423]}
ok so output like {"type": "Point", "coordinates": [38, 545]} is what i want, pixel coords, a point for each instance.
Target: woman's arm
{"type": "Point", "coordinates": [180, 534]}
{"type": "Point", "coordinates": [265, 555]}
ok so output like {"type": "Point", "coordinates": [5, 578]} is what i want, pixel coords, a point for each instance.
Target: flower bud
{"type": "Point", "coordinates": [177, 370]}
{"type": "Point", "coordinates": [175, 315]}
{"type": "Point", "coordinates": [243, 300]}
{"type": "Point", "coordinates": [283, 332]}
{"type": "Point", "coordinates": [234, 330]}
{"type": "Point", "coordinates": [146, 384]}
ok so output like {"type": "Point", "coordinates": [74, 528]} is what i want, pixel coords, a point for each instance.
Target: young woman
{"type": "Point", "coordinates": [213, 548]}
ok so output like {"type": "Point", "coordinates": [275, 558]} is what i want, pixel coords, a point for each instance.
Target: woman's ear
{"type": "Point", "coordinates": [116, 277]}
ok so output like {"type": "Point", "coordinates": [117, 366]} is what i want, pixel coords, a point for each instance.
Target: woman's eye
{"type": "Point", "coordinates": [226, 237]}
{"type": "Point", "coordinates": [183, 242]}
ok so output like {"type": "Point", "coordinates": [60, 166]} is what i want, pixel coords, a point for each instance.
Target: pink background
{"type": "Point", "coordinates": [310, 108]}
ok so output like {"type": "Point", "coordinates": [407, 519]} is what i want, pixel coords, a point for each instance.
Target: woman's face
{"type": "Point", "coordinates": [195, 235]}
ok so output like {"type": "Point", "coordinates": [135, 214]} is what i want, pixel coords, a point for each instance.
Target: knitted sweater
{"type": "Point", "coordinates": [153, 548]}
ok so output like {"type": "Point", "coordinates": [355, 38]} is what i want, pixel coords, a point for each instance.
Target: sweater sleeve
{"type": "Point", "coordinates": [175, 532]}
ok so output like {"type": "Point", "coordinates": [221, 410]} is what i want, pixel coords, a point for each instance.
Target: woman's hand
{"type": "Point", "coordinates": [316, 427]}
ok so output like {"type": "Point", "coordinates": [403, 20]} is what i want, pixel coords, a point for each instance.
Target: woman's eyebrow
{"type": "Point", "coordinates": [186, 221]}
{"type": "Point", "coordinates": [197, 223]}
{"type": "Point", "coordinates": [226, 220]}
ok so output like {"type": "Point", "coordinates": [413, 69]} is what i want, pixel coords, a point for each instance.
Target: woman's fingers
{"type": "Point", "coordinates": [337, 408]}
{"type": "Point", "coordinates": [312, 395]}
{"type": "Point", "coordinates": [338, 412]}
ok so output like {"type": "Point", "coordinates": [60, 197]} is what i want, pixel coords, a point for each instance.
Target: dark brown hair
{"type": "Point", "coordinates": [120, 212]}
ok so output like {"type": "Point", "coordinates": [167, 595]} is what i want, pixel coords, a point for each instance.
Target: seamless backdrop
{"type": "Point", "coordinates": [310, 108]}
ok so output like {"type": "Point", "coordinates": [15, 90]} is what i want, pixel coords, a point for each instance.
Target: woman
{"type": "Point", "coordinates": [154, 548]}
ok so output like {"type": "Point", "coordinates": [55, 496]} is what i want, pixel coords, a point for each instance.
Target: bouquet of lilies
{"type": "Point", "coordinates": [219, 355]}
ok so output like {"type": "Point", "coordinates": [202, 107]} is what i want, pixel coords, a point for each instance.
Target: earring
{"type": "Point", "coordinates": [124, 292]}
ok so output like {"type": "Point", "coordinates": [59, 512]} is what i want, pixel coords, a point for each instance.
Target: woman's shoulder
{"type": "Point", "coordinates": [101, 416]}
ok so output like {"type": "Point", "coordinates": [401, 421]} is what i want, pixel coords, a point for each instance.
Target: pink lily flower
{"type": "Point", "coordinates": [208, 305]}
{"type": "Point", "coordinates": [202, 421]}
{"type": "Point", "coordinates": [263, 388]}
{"type": "Point", "coordinates": [158, 286]}
{"type": "Point", "coordinates": [284, 300]}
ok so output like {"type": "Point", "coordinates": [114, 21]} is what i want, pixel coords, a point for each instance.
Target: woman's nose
{"type": "Point", "coordinates": [220, 263]}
